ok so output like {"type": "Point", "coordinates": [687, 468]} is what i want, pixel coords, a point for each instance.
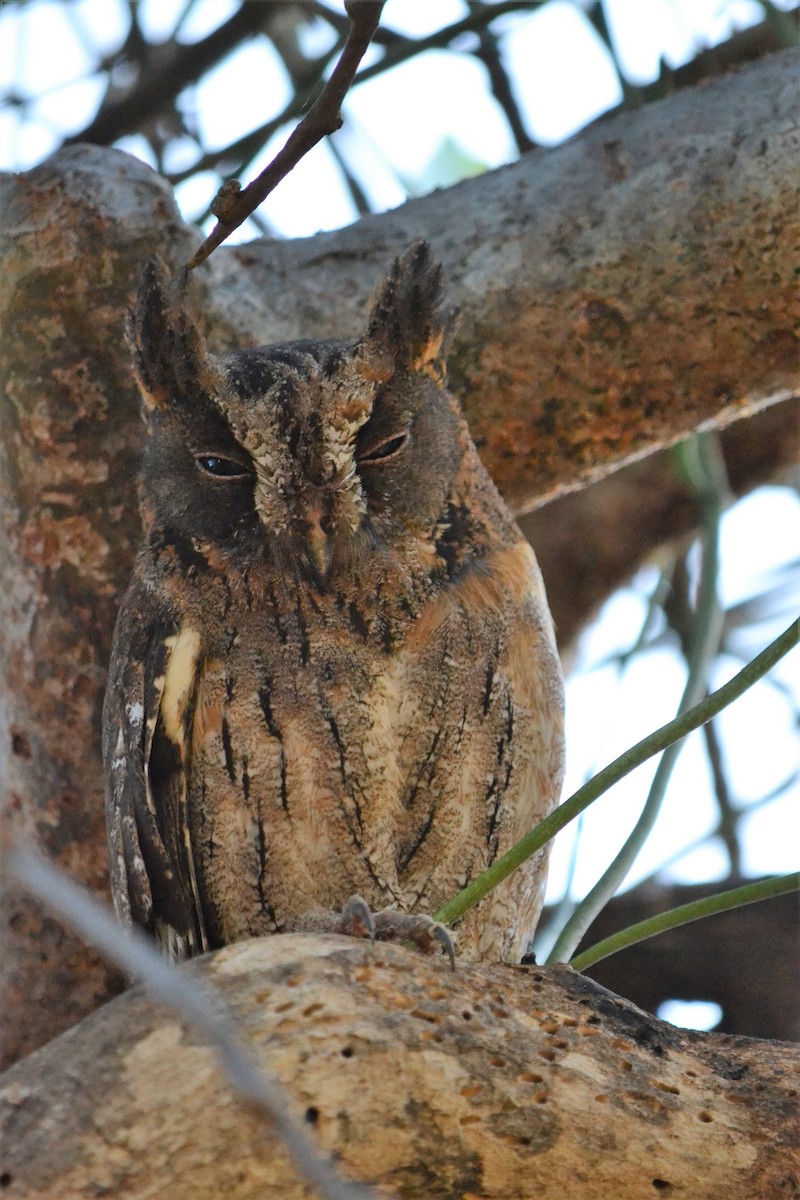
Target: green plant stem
{"type": "Point", "coordinates": [678, 728]}
{"type": "Point", "coordinates": [763, 889]}
{"type": "Point", "coordinates": [702, 462]}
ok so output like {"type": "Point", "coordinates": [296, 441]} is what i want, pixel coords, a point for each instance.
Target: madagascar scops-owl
{"type": "Point", "coordinates": [334, 671]}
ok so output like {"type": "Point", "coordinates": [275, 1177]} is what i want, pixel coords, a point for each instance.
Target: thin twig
{"type": "Point", "coordinates": [164, 72]}
{"type": "Point", "coordinates": [727, 826]}
{"type": "Point", "coordinates": [489, 54]}
{"type": "Point", "coordinates": [399, 51]}
{"type": "Point", "coordinates": [233, 206]}
{"type": "Point", "coordinates": [206, 1016]}
{"type": "Point", "coordinates": [357, 193]}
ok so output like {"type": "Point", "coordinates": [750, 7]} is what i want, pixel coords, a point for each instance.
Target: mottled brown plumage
{"type": "Point", "coordinates": [334, 671]}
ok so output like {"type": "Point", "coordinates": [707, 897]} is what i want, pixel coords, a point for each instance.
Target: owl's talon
{"type": "Point", "coordinates": [356, 919]}
{"type": "Point", "coordinates": [441, 934]}
{"type": "Point", "coordinates": [422, 931]}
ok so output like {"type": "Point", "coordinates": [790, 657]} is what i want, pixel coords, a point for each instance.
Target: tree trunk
{"type": "Point", "coordinates": [615, 293]}
{"type": "Point", "coordinates": [490, 1082]}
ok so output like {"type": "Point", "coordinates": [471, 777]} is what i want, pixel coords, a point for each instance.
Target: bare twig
{"type": "Point", "coordinates": [727, 827]}
{"type": "Point", "coordinates": [489, 54]}
{"type": "Point", "coordinates": [398, 51]}
{"type": "Point", "coordinates": [134, 953]}
{"type": "Point", "coordinates": [233, 206]}
{"type": "Point", "coordinates": [164, 74]}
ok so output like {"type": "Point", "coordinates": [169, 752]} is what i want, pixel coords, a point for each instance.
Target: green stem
{"type": "Point", "coordinates": [678, 728]}
{"type": "Point", "coordinates": [702, 462]}
{"type": "Point", "coordinates": [763, 889]}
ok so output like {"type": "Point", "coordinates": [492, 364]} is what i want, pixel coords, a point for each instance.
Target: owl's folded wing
{"type": "Point", "coordinates": [146, 742]}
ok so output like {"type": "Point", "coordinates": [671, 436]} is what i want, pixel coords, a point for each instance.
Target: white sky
{"type": "Point", "coordinates": [563, 76]}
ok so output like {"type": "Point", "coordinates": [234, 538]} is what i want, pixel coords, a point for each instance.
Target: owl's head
{"type": "Point", "coordinates": [306, 452]}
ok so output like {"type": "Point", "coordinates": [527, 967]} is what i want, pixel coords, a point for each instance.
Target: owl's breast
{"type": "Point", "coordinates": [323, 765]}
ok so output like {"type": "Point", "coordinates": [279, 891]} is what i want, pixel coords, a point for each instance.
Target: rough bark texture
{"type": "Point", "coordinates": [615, 293]}
{"type": "Point", "coordinates": [72, 234]}
{"type": "Point", "coordinates": [488, 1082]}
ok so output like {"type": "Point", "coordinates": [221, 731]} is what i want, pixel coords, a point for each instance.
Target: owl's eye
{"type": "Point", "coordinates": [381, 452]}
{"type": "Point", "coordinates": [221, 468]}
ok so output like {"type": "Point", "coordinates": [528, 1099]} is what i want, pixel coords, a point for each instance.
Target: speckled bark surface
{"type": "Point", "coordinates": [484, 1083]}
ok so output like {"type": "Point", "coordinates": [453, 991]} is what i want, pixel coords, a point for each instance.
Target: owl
{"type": "Point", "coordinates": [334, 683]}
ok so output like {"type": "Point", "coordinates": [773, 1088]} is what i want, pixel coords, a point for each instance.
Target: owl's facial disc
{"type": "Point", "coordinates": [296, 411]}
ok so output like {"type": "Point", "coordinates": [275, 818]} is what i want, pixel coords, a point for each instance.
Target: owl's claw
{"type": "Point", "coordinates": [441, 934]}
{"type": "Point", "coordinates": [356, 919]}
{"type": "Point", "coordinates": [422, 931]}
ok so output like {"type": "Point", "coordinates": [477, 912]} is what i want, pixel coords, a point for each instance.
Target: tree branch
{"type": "Point", "coordinates": [615, 293]}
{"type": "Point", "coordinates": [232, 206]}
{"type": "Point", "coordinates": [164, 78]}
{"type": "Point", "coordinates": [398, 50]}
{"type": "Point", "coordinates": [494, 1081]}
{"type": "Point", "coordinates": [694, 910]}
{"type": "Point", "coordinates": [185, 1000]}
{"type": "Point", "coordinates": [590, 542]}
{"type": "Point", "coordinates": [744, 960]}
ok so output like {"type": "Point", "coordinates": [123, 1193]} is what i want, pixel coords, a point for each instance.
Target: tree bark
{"type": "Point", "coordinates": [615, 293]}
{"type": "Point", "coordinates": [72, 234]}
{"type": "Point", "coordinates": [491, 1082]}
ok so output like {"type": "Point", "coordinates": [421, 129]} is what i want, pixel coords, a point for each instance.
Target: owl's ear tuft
{"type": "Point", "coordinates": [169, 352]}
{"type": "Point", "coordinates": [407, 322]}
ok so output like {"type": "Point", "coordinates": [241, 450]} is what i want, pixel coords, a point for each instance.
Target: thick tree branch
{"type": "Point", "coordinates": [615, 293]}
{"type": "Point", "coordinates": [495, 1082]}
{"type": "Point", "coordinates": [201, 1013]}
{"type": "Point", "coordinates": [590, 542]}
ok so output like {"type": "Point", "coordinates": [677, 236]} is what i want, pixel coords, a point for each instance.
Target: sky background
{"type": "Point", "coordinates": [406, 132]}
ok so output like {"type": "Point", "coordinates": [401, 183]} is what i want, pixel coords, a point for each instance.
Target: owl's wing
{"type": "Point", "coordinates": [146, 740]}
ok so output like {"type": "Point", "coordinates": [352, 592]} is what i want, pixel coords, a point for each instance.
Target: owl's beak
{"type": "Point", "coordinates": [317, 540]}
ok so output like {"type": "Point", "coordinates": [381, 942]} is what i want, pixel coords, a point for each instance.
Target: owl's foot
{"type": "Point", "coordinates": [357, 920]}
{"type": "Point", "coordinates": [422, 931]}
